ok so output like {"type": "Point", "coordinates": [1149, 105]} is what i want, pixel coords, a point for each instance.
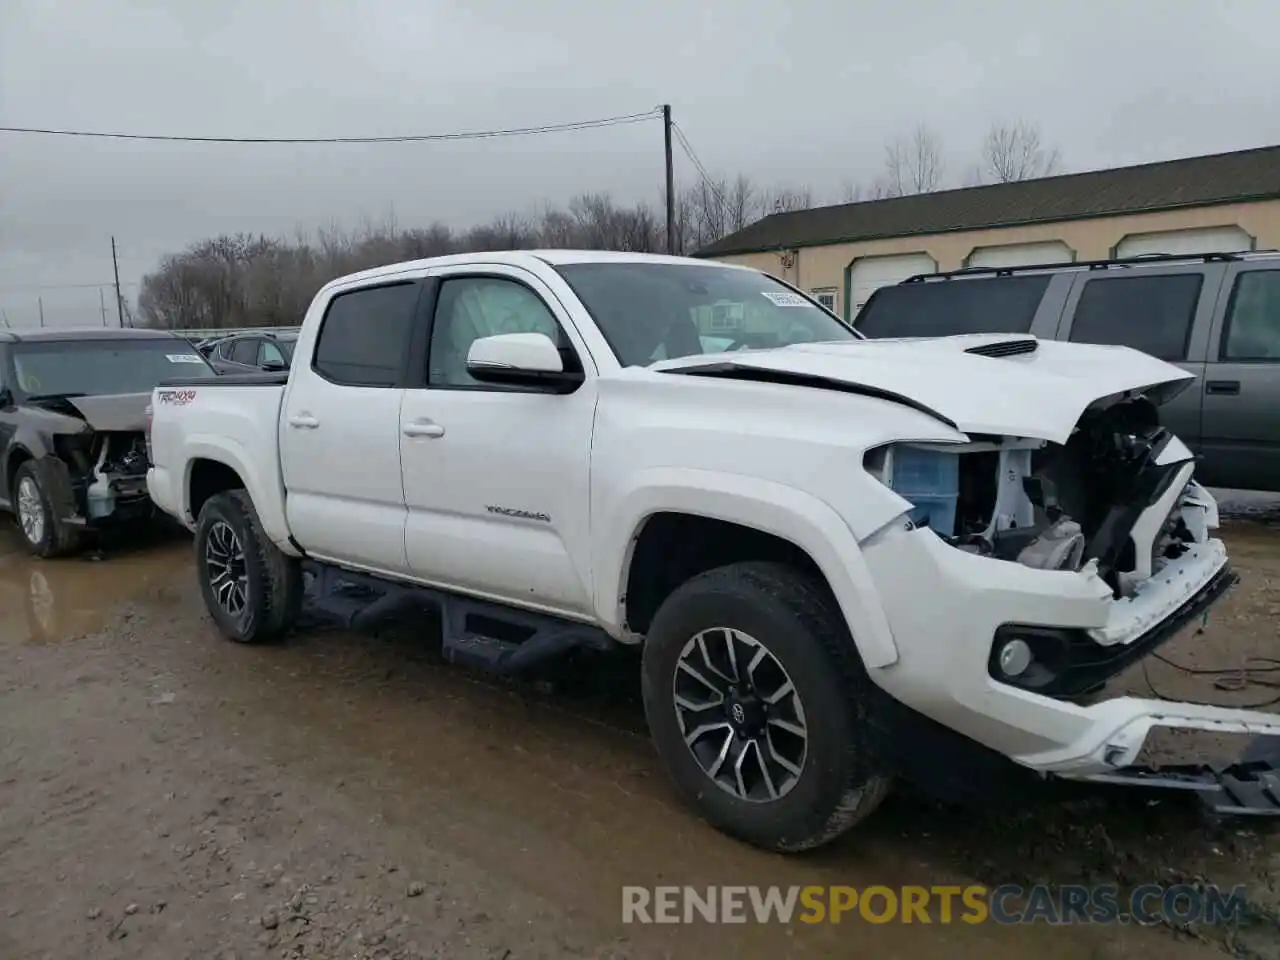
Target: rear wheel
{"type": "Point", "coordinates": [756, 699]}
{"type": "Point", "coordinates": [252, 590]}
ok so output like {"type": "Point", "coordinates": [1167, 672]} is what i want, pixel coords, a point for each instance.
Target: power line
{"type": "Point", "coordinates": [413, 138]}
{"type": "Point", "coordinates": [66, 286]}
{"type": "Point", "coordinates": [692, 154]}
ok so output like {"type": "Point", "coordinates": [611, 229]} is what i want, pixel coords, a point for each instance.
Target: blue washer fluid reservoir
{"type": "Point", "coordinates": [930, 481]}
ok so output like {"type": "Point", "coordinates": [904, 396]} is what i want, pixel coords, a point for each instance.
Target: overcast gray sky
{"type": "Point", "coordinates": [802, 91]}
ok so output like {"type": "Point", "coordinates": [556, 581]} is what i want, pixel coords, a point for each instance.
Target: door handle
{"type": "Point", "coordinates": [423, 428]}
{"type": "Point", "coordinates": [304, 422]}
{"type": "Point", "coordinates": [1231, 387]}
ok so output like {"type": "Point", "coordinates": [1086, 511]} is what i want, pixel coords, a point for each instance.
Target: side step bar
{"type": "Point", "coordinates": [362, 602]}
{"type": "Point", "coordinates": [1250, 787]}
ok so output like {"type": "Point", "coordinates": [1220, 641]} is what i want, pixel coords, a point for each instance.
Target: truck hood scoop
{"type": "Point", "coordinates": [984, 383]}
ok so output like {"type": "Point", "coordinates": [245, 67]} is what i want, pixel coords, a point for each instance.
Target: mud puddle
{"type": "Point", "coordinates": [47, 600]}
{"type": "Point", "coordinates": [361, 760]}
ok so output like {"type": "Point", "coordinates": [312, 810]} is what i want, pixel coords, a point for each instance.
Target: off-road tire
{"type": "Point", "coordinates": [274, 579]}
{"type": "Point", "coordinates": [797, 620]}
{"type": "Point", "coordinates": [58, 538]}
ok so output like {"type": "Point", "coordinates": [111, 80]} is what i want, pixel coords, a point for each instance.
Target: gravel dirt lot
{"type": "Point", "coordinates": [166, 794]}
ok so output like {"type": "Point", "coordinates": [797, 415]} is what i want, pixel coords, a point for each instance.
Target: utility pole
{"type": "Point", "coordinates": [40, 301]}
{"type": "Point", "coordinates": [671, 178]}
{"type": "Point", "coordinates": [115, 265]}
{"type": "Point", "coordinates": [102, 302]}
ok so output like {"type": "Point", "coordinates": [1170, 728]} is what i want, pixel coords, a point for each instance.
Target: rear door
{"type": "Point", "coordinates": [1241, 426]}
{"type": "Point", "coordinates": [340, 430]}
{"type": "Point", "coordinates": [1165, 312]}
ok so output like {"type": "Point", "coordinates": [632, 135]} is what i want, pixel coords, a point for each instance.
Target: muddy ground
{"type": "Point", "coordinates": [166, 794]}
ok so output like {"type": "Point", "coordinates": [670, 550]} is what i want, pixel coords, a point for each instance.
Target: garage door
{"type": "Point", "coordinates": [869, 274]}
{"type": "Point", "coordinates": [1198, 240]}
{"type": "Point", "coordinates": [1021, 254]}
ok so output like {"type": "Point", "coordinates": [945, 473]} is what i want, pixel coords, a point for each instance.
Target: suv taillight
{"type": "Point", "coordinates": [147, 434]}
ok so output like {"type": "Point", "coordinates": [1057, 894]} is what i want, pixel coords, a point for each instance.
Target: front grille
{"type": "Point", "coordinates": [1004, 348]}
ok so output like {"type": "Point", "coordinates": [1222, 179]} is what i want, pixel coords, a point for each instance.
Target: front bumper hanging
{"type": "Point", "coordinates": [1250, 787]}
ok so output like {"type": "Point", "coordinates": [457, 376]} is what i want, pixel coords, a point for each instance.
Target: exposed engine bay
{"type": "Point", "coordinates": [108, 472]}
{"type": "Point", "coordinates": [104, 456]}
{"type": "Point", "coordinates": [1118, 495]}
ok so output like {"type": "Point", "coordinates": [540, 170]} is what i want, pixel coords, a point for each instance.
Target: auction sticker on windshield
{"type": "Point", "coordinates": [183, 358]}
{"type": "Point", "coordinates": [786, 299]}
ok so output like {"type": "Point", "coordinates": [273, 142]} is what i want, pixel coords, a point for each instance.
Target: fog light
{"type": "Point", "coordinates": [1015, 658]}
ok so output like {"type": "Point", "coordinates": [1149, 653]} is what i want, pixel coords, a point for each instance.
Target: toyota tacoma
{"type": "Point", "coordinates": [845, 561]}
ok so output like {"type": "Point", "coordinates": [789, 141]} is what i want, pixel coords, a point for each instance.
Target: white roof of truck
{"type": "Point", "coordinates": [522, 258]}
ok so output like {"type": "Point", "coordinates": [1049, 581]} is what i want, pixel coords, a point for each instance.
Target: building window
{"type": "Point", "coordinates": [826, 296]}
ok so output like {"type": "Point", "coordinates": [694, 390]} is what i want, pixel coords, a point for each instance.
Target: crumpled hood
{"type": "Point", "coordinates": [1040, 394]}
{"type": "Point", "coordinates": [114, 413]}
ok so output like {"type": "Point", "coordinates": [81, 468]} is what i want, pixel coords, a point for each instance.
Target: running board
{"type": "Point", "coordinates": [362, 602]}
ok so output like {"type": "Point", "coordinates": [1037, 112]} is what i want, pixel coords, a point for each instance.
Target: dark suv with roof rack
{"type": "Point", "coordinates": [1216, 315]}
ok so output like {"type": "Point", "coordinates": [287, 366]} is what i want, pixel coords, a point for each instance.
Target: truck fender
{"type": "Point", "coordinates": [264, 491]}
{"type": "Point", "coordinates": [774, 508]}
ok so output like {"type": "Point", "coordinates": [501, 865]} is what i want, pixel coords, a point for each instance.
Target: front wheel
{"type": "Point", "coordinates": [252, 590]}
{"type": "Point", "coordinates": [756, 700]}
{"type": "Point", "coordinates": [43, 532]}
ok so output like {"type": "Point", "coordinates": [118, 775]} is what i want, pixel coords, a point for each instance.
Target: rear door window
{"type": "Point", "coordinates": [245, 351]}
{"type": "Point", "coordinates": [364, 337]}
{"type": "Point", "coordinates": [1152, 313]}
{"type": "Point", "coordinates": [944, 308]}
{"type": "Point", "coordinates": [1253, 318]}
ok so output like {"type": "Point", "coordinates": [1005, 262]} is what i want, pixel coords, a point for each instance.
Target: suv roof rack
{"type": "Point", "coordinates": [1139, 260]}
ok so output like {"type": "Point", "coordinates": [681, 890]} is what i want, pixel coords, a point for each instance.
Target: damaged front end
{"type": "Point", "coordinates": [101, 460]}
{"type": "Point", "coordinates": [1116, 513]}
{"type": "Point", "coordinates": [107, 474]}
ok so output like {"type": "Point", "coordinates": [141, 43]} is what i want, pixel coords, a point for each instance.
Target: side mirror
{"type": "Point", "coordinates": [521, 359]}
{"type": "Point", "coordinates": [273, 366]}
{"type": "Point", "coordinates": [6, 398]}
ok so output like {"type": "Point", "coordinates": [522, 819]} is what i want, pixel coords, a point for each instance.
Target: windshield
{"type": "Point", "coordinates": [102, 367]}
{"type": "Point", "coordinates": [658, 311]}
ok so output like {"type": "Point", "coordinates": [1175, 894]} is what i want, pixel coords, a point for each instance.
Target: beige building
{"type": "Point", "coordinates": [1228, 202]}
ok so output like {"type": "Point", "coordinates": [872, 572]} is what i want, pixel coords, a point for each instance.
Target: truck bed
{"type": "Point", "coordinates": [245, 407]}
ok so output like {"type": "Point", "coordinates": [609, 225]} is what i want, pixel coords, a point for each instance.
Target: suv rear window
{"type": "Point", "coordinates": [944, 308]}
{"type": "Point", "coordinates": [1152, 314]}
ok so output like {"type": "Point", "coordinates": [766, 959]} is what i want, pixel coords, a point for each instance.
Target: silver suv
{"type": "Point", "coordinates": [1216, 315]}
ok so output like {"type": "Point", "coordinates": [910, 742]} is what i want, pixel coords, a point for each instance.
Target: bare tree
{"type": "Point", "coordinates": [912, 164]}
{"type": "Point", "coordinates": [1015, 151]}
{"type": "Point", "coordinates": [783, 199]}
{"type": "Point", "coordinates": [852, 192]}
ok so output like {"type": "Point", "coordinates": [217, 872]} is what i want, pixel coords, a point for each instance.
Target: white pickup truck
{"type": "Point", "coordinates": [847, 561]}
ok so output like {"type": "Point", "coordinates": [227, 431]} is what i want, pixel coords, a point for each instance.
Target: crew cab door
{"type": "Point", "coordinates": [496, 477]}
{"type": "Point", "coordinates": [1242, 382]}
{"type": "Point", "coordinates": [340, 430]}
